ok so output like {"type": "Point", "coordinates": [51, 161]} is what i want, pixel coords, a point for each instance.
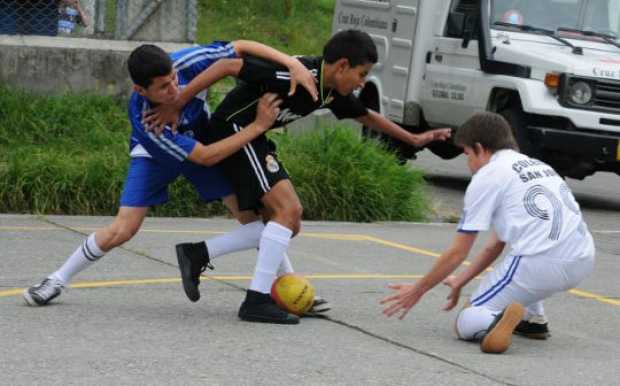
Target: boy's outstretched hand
{"type": "Point", "coordinates": [433, 135]}
{"type": "Point", "coordinates": [455, 293]}
{"type": "Point", "coordinates": [407, 295]}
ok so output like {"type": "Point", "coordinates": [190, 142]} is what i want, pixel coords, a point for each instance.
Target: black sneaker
{"type": "Point", "coordinates": [259, 307]}
{"type": "Point", "coordinates": [533, 330]}
{"type": "Point", "coordinates": [44, 292]}
{"type": "Point", "coordinates": [499, 335]}
{"type": "Point", "coordinates": [193, 259]}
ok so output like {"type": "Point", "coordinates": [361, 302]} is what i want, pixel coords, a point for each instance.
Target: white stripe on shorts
{"type": "Point", "coordinates": [260, 175]}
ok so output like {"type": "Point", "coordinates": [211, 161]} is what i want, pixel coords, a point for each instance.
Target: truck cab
{"type": "Point", "coordinates": [550, 67]}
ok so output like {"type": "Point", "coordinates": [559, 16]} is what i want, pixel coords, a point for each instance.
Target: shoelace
{"type": "Point", "coordinates": [48, 287]}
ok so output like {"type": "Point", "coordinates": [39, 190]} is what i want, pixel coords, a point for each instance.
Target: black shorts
{"type": "Point", "coordinates": [253, 170]}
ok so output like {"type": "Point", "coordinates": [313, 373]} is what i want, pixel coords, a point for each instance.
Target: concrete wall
{"type": "Point", "coordinates": [57, 65]}
{"type": "Point", "coordinates": [157, 20]}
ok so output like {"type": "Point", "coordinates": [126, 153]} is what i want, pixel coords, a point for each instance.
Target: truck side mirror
{"type": "Point", "coordinates": [456, 25]}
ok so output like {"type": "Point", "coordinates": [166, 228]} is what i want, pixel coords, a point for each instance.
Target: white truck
{"type": "Point", "coordinates": [551, 67]}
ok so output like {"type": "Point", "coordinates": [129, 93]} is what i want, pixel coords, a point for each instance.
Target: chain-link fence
{"type": "Point", "coordinates": [149, 20]}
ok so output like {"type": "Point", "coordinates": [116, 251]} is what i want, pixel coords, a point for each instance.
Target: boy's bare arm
{"type": "Point", "coordinates": [266, 113]}
{"type": "Point", "coordinates": [377, 121]}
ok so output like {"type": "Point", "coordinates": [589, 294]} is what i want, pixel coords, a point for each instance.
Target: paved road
{"type": "Point", "coordinates": [126, 320]}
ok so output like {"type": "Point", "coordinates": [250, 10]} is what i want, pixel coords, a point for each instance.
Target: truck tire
{"type": "Point", "coordinates": [404, 152]}
{"type": "Point", "coordinates": [518, 122]}
{"type": "Point", "coordinates": [445, 150]}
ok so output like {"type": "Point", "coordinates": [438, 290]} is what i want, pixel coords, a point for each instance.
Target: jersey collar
{"type": "Point", "coordinates": [325, 99]}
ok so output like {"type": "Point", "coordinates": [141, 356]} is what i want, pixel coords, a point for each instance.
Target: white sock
{"type": "Point", "coordinates": [272, 247]}
{"type": "Point", "coordinates": [244, 237]}
{"type": "Point", "coordinates": [535, 313]}
{"type": "Point", "coordinates": [85, 255]}
{"type": "Point", "coordinates": [473, 322]}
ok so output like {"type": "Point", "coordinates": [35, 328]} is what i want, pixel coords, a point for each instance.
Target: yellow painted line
{"type": "Point", "coordinates": [618, 152]}
{"type": "Point", "coordinates": [121, 283]}
{"type": "Point", "coordinates": [402, 246]}
{"type": "Point", "coordinates": [590, 295]}
{"type": "Point", "coordinates": [325, 236]}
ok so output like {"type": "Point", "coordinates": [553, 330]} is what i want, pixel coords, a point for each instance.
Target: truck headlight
{"type": "Point", "coordinates": [580, 93]}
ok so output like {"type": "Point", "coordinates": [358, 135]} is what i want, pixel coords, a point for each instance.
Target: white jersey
{"type": "Point", "coordinates": [527, 203]}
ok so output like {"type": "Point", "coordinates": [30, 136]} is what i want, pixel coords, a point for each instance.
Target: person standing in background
{"type": "Point", "coordinates": [70, 14]}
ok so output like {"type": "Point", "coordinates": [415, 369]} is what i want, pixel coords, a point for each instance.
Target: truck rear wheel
{"type": "Point", "coordinates": [370, 97]}
{"type": "Point", "coordinates": [518, 122]}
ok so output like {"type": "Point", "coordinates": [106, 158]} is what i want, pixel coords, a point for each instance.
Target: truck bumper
{"type": "Point", "coordinates": [604, 148]}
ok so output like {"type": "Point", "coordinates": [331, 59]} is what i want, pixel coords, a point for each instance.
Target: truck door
{"type": "Point", "coordinates": [454, 84]}
{"type": "Point", "coordinates": [392, 25]}
{"type": "Point", "coordinates": [403, 28]}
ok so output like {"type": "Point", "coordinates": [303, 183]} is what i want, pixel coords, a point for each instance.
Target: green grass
{"type": "Point", "coordinates": [68, 155]}
{"type": "Point", "coordinates": [302, 29]}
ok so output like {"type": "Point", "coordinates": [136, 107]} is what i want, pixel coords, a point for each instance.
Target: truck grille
{"type": "Point", "coordinates": [607, 95]}
{"type": "Point", "coordinates": [605, 98]}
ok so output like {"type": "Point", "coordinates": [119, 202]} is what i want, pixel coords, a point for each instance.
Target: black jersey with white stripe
{"type": "Point", "coordinates": [258, 77]}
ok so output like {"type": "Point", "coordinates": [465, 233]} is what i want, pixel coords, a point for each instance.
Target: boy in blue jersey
{"type": "Point", "coordinates": [157, 159]}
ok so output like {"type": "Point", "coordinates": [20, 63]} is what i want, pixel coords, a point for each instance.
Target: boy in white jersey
{"type": "Point", "coordinates": [530, 208]}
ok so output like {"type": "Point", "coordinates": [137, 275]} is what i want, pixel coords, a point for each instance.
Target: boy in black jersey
{"type": "Point", "coordinates": [258, 177]}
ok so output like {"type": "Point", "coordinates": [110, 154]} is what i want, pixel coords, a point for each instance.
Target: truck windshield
{"type": "Point", "coordinates": [570, 18]}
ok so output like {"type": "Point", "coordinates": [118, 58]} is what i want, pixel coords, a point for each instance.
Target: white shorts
{"type": "Point", "coordinates": [529, 279]}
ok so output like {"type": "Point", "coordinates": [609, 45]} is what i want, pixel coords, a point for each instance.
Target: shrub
{"type": "Point", "coordinates": [339, 176]}
{"type": "Point", "coordinates": [68, 155]}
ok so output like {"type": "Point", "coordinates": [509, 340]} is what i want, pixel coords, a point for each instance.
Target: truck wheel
{"type": "Point", "coordinates": [518, 122]}
{"type": "Point", "coordinates": [403, 151]}
{"type": "Point", "coordinates": [445, 150]}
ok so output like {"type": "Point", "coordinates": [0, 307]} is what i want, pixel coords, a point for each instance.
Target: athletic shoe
{"type": "Point", "coordinates": [44, 292]}
{"type": "Point", "coordinates": [193, 260]}
{"type": "Point", "coordinates": [319, 307]}
{"type": "Point", "coordinates": [533, 330]}
{"type": "Point", "coordinates": [499, 335]}
{"type": "Point", "coordinates": [259, 307]}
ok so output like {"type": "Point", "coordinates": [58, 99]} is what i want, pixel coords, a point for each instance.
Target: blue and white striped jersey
{"type": "Point", "coordinates": [188, 63]}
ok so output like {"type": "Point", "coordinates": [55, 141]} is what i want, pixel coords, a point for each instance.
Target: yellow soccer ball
{"type": "Point", "coordinates": [293, 293]}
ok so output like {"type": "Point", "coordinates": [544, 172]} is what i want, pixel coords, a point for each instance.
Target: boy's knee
{"type": "Point", "coordinates": [293, 215]}
{"type": "Point", "coordinates": [122, 232]}
{"type": "Point", "coordinates": [472, 322]}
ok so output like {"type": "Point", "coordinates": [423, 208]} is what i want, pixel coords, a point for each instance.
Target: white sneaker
{"type": "Point", "coordinates": [42, 293]}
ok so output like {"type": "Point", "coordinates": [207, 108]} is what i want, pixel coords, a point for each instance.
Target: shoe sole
{"type": "Point", "coordinates": [534, 335]}
{"type": "Point", "coordinates": [261, 319]}
{"type": "Point", "coordinates": [29, 300]}
{"type": "Point", "coordinates": [499, 338]}
{"type": "Point", "coordinates": [191, 291]}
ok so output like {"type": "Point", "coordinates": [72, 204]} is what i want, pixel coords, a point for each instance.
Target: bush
{"type": "Point", "coordinates": [339, 176]}
{"type": "Point", "coordinates": [69, 155]}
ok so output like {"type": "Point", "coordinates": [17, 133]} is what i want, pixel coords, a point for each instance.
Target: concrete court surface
{"type": "Point", "coordinates": [126, 321]}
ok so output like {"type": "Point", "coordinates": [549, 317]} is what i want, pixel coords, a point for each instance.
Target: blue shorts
{"type": "Point", "coordinates": [147, 181]}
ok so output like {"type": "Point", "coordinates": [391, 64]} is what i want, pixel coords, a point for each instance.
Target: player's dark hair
{"type": "Point", "coordinates": [147, 62]}
{"type": "Point", "coordinates": [490, 130]}
{"type": "Point", "coordinates": [356, 46]}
